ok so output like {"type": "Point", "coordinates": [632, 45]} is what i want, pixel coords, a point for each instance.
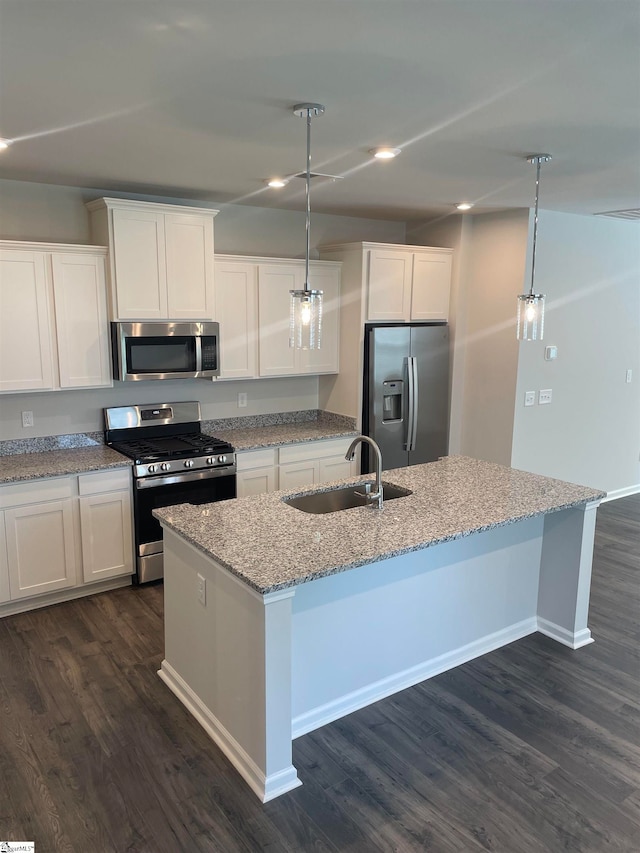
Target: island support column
{"type": "Point", "coordinates": [228, 660]}
{"type": "Point", "coordinates": [565, 575]}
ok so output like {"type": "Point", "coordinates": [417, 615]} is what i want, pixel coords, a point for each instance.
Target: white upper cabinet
{"type": "Point", "coordinates": [237, 314]}
{"type": "Point", "coordinates": [408, 284]}
{"type": "Point", "coordinates": [79, 288]}
{"type": "Point", "coordinates": [53, 317]}
{"type": "Point", "coordinates": [431, 285]}
{"type": "Point", "coordinates": [161, 258]}
{"type": "Point", "coordinates": [389, 285]}
{"type": "Point", "coordinates": [26, 362]}
{"type": "Point", "coordinates": [275, 280]}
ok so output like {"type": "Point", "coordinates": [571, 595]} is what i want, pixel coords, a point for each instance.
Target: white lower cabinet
{"type": "Point", "coordinates": [40, 537]}
{"type": "Point", "coordinates": [105, 523]}
{"type": "Point", "coordinates": [257, 472]}
{"type": "Point", "coordinates": [62, 533]}
{"type": "Point", "coordinates": [293, 466]}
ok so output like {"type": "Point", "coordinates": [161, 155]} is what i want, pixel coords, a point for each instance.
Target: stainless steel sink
{"type": "Point", "coordinates": [344, 497]}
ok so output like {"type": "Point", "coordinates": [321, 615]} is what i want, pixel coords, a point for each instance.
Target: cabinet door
{"type": "Point", "coordinates": [25, 333]}
{"type": "Point", "coordinates": [107, 544]}
{"type": "Point", "coordinates": [431, 286]}
{"type": "Point", "coordinates": [189, 265]}
{"type": "Point", "coordinates": [257, 481]}
{"type": "Point", "coordinates": [335, 468]}
{"type": "Point", "coordinates": [237, 313]}
{"type": "Point", "coordinates": [81, 320]}
{"type": "Point", "coordinates": [4, 563]}
{"type": "Point", "coordinates": [40, 548]}
{"type": "Point", "coordinates": [389, 285]}
{"type": "Point", "coordinates": [277, 358]}
{"type": "Point", "coordinates": [140, 266]}
{"type": "Point", "coordinates": [303, 473]}
{"type": "Point", "coordinates": [325, 359]}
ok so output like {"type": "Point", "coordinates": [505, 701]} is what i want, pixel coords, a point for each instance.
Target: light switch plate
{"type": "Point", "coordinates": [529, 398]}
{"type": "Point", "coordinates": [544, 396]}
{"type": "Point", "coordinates": [550, 353]}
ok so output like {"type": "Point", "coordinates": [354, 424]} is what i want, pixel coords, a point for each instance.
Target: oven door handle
{"type": "Point", "coordinates": [184, 477]}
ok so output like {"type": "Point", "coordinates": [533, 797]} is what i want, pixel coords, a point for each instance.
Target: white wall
{"type": "Point", "coordinates": [589, 269]}
{"type": "Point", "coordinates": [57, 214]}
{"type": "Point", "coordinates": [62, 412]}
{"type": "Point", "coordinates": [493, 271]}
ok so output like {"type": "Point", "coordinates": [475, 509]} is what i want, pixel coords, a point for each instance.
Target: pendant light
{"type": "Point", "coordinates": [531, 305]}
{"type": "Point", "coordinates": [305, 326]}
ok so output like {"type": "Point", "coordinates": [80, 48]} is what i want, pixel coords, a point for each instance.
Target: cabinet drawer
{"type": "Point", "coordinates": [104, 481]}
{"type": "Point", "coordinates": [37, 491]}
{"type": "Point", "coordinates": [315, 450]}
{"type": "Point", "coordinates": [248, 459]}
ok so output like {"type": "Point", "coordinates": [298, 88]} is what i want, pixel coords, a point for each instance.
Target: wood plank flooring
{"type": "Point", "coordinates": [532, 749]}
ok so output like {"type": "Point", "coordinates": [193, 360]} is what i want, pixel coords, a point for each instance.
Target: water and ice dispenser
{"type": "Point", "coordinates": [392, 391]}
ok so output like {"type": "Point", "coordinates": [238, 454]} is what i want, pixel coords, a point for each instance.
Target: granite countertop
{"type": "Point", "coordinates": [270, 545]}
{"type": "Point", "coordinates": [57, 463]}
{"type": "Point", "coordinates": [276, 435]}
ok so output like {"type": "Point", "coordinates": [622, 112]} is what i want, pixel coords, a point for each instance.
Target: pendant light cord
{"type": "Point", "coordinates": [308, 185]}
{"type": "Point", "coordinates": [535, 227]}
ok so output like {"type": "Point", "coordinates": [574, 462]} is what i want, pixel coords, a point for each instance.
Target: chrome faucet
{"type": "Point", "coordinates": [370, 496]}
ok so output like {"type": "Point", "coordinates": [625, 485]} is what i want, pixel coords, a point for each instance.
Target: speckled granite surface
{"type": "Point", "coordinates": [43, 444]}
{"type": "Point", "coordinates": [258, 431]}
{"type": "Point", "coordinates": [271, 546]}
{"type": "Point", "coordinates": [56, 463]}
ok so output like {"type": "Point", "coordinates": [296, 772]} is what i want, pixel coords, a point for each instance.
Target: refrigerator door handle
{"type": "Point", "coordinates": [411, 409]}
{"type": "Point", "coordinates": [414, 368]}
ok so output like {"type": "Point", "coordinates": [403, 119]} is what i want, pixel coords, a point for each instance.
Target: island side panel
{"type": "Point", "coordinates": [565, 575]}
{"type": "Point", "coordinates": [364, 634]}
{"type": "Point", "coordinates": [229, 662]}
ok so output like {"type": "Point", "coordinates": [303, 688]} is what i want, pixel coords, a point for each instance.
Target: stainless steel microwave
{"type": "Point", "coordinates": [165, 350]}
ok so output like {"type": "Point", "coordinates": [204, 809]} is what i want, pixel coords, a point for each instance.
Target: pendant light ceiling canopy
{"type": "Point", "coordinates": [305, 323]}
{"type": "Point", "coordinates": [530, 325]}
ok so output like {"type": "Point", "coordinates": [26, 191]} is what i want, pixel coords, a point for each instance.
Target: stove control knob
{"type": "Point", "coordinates": [152, 469]}
{"type": "Point", "coordinates": [188, 463]}
{"type": "Point", "coordinates": [165, 466]}
{"type": "Point", "coordinates": [211, 460]}
{"type": "Point", "coordinates": [222, 459]}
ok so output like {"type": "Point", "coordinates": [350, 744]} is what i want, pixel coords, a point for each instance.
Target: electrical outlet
{"type": "Point", "coordinates": [544, 396]}
{"type": "Point", "coordinates": [202, 590]}
{"type": "Point", "coordinates": [27, 419]}
{"type": "Point", "coordinates": [529, 398]}
{"type": "Point", "coordinates": [242, 401]}
{"type": "Point", "coordinates": [629, 375]}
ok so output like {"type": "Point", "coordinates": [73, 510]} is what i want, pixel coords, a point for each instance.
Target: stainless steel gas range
{"type": "Point", "coordinates": [174, 463]}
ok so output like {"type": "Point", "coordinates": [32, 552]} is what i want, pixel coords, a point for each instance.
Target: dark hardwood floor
{"type": "Point", "coordinates": [532, 748]}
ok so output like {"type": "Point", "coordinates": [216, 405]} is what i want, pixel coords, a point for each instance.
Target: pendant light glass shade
{"type": "Point", "coordinates": [530, 317]}
{"type": "Point", "coordinates": [305, 319]}
{"type": "Point", "coordinates": [530, 326]}
{"type": "Point", "coordinates": [305, 327]}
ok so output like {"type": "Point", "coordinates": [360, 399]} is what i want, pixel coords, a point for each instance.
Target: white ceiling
{"type": "Point", "coordinates": [193, 99]}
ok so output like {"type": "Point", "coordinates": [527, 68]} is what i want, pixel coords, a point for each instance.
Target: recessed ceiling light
{"type": "Point", "coordinates": [385, 153]}
{"type": "Point", "coordinates": [464, 205]}
{"type": "Point", "coordinates": [277, 183]}
{"type": "Point", "coordinates": [4, 143]}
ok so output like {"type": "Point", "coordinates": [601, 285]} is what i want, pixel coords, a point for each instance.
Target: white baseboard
{"type": "Point", "coordinates": [621, 493]}
{"type": "Point", "coordinates": [265, 787]}
{"type": "Point", "coordinates": [575, 640]}
{"type": "Point", "coordinates": [320, 716]}
{"type": "Point", "coordinates": [21, 605]}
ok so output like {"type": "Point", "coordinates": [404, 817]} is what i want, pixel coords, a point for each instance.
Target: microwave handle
{"type": "Point", "coordinates": [198, 354]}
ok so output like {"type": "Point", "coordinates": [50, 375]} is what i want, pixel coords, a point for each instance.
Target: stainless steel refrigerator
{"type": "Point", "coordinates": [406, 392]}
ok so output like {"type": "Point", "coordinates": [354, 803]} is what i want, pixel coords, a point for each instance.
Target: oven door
{"type": "Point", "coordinates": [151, 493]}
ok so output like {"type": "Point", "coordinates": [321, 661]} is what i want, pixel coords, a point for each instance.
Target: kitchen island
{"type": "Point", "coordinates": [278, 621]}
